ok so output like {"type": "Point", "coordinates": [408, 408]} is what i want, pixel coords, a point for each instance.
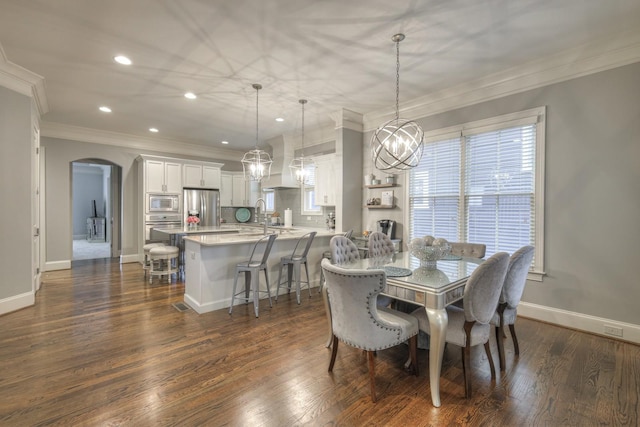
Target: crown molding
{"type": "Point", "coordinates": [588, 59]}
{"type": "Point", "coordinates": [115, 139]}
{"type": "Point", "coordinates": [23, 81]}
{"type": "Point", "coordinates": [347, 119]}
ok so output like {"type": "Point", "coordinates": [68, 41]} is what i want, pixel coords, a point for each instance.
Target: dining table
{"type": "Point", "coordinates": [433, 286]}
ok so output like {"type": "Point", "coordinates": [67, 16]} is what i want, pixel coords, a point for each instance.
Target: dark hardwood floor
{"type": "Point", "coordinates": [102, 347]}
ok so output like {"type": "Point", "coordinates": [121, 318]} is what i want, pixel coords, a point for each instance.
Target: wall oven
{"type": "Point", "coordinates": [164, 203]}
{"type": "Point", "coordinates": [160, 221]}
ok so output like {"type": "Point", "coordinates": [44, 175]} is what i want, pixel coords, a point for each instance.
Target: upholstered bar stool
{"type": "Point", "coordinates": [147, 248]}
{"type": "Point", "coordinates": [163, 261]}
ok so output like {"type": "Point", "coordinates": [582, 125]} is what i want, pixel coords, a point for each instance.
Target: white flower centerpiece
{"type": "Point", "coordinates": [429, 250]}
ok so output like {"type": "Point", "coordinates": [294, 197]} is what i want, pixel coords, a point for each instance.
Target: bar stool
{"type": "Point", "coordinates": [251, 270]}
{"type": "Point", "coordinates": [147, 248]}
{"type": "Point", "coordinates": [294, 262]}
{"type": "Point", "coordinates": [161, 262]}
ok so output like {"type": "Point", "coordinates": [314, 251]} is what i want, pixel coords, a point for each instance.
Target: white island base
{"type": "Point", "coordinates": [210, 265]}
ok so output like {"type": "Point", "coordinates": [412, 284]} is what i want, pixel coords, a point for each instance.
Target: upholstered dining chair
{"type": "Point", "coordinates": [358, 322]}
{"type": "Point", "coordinates": [510, 298]}
{"type": "Point", "coordinates": [380, 245]}
{"type": "Point", "coordinates": [328, 255]}
{"type": "Point", "coordinates": [469, 326]}
{"type": "Point", "coordinates": [257, 262]}
{"type": "Point", "coordinates": [471, 250]}
{"type": "Point", "coordinates": [294, 262]}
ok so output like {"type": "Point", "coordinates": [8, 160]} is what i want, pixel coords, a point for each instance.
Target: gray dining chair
{"type": "Point", "coordinates": [257, 262]}
{"type": "Point", "coordinates": [512, 290]}
{"type": "Point", "coordinates": [359, 322]}
{"type": "Point", "coordinates": [328, 255]}
{"type": "Point", "coordinates": [470, 326]}
{"type": "Point", "coordinates": [470, 250]}
{"type": "Point", "coordinates": [294, 262]}
{"type": "Point", "coordinates": [381, 246]}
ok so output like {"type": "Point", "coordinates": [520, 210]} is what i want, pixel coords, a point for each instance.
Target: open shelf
{"type": "Point", "coordinates": [381, 186]}
{"type": "Point", "coordinates": [380, 206]}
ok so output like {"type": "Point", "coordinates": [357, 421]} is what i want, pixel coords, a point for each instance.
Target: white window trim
{"type": "Point", "coordinates": [304, 211]}
{"type": "Point", "coordinates": [270, 211]}
{"type": "Point", "coordinates": [534, 115]}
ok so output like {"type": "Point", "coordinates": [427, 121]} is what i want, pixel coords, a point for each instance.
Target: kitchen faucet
{"type": "Point", "coordinates": [264, 209]}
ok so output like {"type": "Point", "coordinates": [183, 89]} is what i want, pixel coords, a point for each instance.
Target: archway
{"type": "Point", "coordinates": [95, 209]}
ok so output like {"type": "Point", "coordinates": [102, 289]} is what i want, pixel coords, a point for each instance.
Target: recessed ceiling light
{"type": "Point", "coordinates": [190, 95]}
{"type": "Point", "coordinates": [154, 130]}
{"type": "Point", "coordinates": [120, 59]}
{"type": "Point", "coordinates": [105, 109]}
{"type": "Point", "coordinates": [224, 142]}
{"type": "Point", "coordinates": [279, 119]}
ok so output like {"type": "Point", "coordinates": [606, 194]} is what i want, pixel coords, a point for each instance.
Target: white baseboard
{"type": "Point", "coordinates": [57, 265]}
{"type": "Point", "coordinates": [17, 302]}
{"type": "Point", "coordinates": [582, 322]}
{"type": "Point", "coordinates": [207, 307]}
{"type": "Point", "coordinates": [124, 259]}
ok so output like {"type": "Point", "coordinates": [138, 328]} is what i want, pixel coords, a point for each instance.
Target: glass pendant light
{"type": "Point", "coordinates": [256, 163]}
{"type": "Point", "coordinates": [300, 166]}
{"type": "Point", "coordinates": [397, 144]}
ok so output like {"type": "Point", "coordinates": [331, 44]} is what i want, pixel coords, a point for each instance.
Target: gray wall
{"type": "Point", "coordinates": [592, 205]}
{"type": "Point", "coordinates": [15, 194]}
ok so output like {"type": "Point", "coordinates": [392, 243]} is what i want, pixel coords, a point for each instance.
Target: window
{"type": "Point", "coordinates": [308, 194]}
{"type": "Point", "coordinates": [269, 197]}
{"type": "Point", "coordinates": [483, 183]}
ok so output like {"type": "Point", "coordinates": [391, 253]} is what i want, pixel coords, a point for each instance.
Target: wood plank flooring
{"type": "Point", "coordinates": [103, 347]}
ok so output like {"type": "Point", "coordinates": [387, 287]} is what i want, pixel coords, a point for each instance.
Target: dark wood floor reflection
{"type": "Point", "coordinates": [103, 347]}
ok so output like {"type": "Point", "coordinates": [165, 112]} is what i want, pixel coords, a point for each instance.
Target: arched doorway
{"type": "Point", "coordinates": [95, 209]}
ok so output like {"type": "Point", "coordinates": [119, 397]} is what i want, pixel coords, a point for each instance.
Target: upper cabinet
{"type": "Point", "coordinates": [202, 175]}
{"type": "Point", "coordinates": [326, 175]}
{"type": "Point", "coordinates": [162, 176]}
{"type": "Point", "coordinates": [235, 191]}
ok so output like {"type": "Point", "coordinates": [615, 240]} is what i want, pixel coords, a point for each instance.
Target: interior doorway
{"type": "Point", "coordinates": [95, 201]}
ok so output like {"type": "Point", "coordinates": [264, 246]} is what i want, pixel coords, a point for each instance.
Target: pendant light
{"type": "Point", "coordinates": [397, 144]}
{"type": "Point", "coordinates": [256, 163]}
{"type": "Point", "coordinates": [299, 166]}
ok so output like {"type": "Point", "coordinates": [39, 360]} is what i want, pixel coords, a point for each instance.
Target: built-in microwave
{"type": "Point", "coordinates": [164, 203]}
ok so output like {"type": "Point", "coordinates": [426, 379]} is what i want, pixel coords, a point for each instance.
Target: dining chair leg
{"type": "Point", "coordinates": [466, 367]}
{"type": "Point", "coordinates": [516, 348]}
{"type": "Point", "coordinates": [487, 349]}
{"type": "Point", "coordinates": [372, 375]}
{"type": "Point", "coordinates": [334, 351]}
{"type": "Point", "coordinates": [500, 342]}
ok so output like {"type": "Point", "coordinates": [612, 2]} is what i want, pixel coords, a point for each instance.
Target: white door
{"type": "Point", "coordinates": [173, 178]}
{"type": "Point", "coordinates": [154, 174]}
{"type": "Point", "coordinates": [211, 177]}
{"type": "Point", "coordinates": [192, 175]}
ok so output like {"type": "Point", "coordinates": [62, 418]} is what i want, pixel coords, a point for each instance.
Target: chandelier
{"type": "Point", "coordinates": [397, 144]}
{"type": "Point", "coordinates": [256, 163]}
{"type": "Point", "coordinates": [300, 166]}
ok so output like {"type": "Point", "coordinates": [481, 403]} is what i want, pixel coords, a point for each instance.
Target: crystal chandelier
{"type": "Point", "coordinates": [256, 163]}
{"type": "Point", "coordinates": [397, 144]}
{"type": "Point", "coordinates": [300, 166]}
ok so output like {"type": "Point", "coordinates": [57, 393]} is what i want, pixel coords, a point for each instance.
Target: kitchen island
{"type": "Point", "coordinates": [210, 262]}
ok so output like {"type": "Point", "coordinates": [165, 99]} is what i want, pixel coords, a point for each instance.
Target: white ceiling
{"type": "Point", "coordinates": [336, 54]}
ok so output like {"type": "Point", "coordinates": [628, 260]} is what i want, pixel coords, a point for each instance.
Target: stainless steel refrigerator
{"type": "Point", "coordinates": [203, 203]}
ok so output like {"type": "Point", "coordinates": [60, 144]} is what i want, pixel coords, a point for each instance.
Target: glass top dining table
{"type": "Point", "coordinates": [433, 287]}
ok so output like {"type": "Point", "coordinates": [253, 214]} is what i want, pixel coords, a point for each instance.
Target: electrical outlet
{"type": "Point", "coordinates": [613, 330]}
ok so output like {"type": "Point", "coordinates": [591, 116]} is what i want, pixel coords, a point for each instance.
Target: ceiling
{"type": "Point", "coordinates": [336, 54]}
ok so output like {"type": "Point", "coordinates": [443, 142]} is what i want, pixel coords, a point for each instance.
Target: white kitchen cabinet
{"type": "Point", "coordinates": [226, 189]}
{"type": "Point", "coordinates": [163, 176]}
{"type": "Point", "coordinates": [325, 186]}
{"type": "Point", "coordinates": [235, 191]}
{"type": "Point", "coordinates": [202, 175]}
